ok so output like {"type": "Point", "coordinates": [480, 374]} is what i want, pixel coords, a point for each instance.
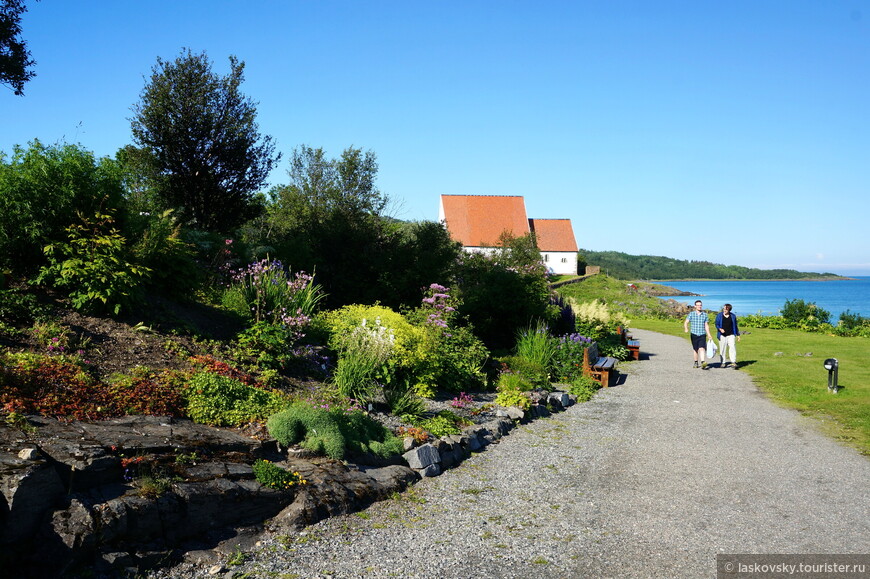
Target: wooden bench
{"type": "Point", "coordinates": [596, 366]}
{"type": "Point", "coordinates": [634, 348]}
{"type": "Point", "coordinates": [629, 342]}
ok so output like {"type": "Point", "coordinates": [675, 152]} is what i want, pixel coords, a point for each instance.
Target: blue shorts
{"type": "Point", "coordinates": [699, 342]}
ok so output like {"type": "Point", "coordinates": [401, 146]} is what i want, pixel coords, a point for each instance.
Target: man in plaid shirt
{"type": "Point", "coordinates": [700, 326]}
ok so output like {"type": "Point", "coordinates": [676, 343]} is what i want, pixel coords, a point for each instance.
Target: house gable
{"type": "Point", "coordinates": [479, 220]}
{"type": "Point", "coordinates": [553, 234]}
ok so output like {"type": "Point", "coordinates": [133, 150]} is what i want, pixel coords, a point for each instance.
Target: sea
{"type": "Point", "coordinates": [768, 297]}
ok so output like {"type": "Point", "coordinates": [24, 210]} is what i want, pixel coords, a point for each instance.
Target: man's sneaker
{"type": "Point", "coordinates": [695, 365]}
{"type": "Point", "coordinates": [725, 365]}
{"type": "Point", "coordinates": [733, 366]}
{"type": "Point", "coordinates": [703, 365]}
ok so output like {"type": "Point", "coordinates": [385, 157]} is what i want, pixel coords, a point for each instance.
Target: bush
{"type": "Point", "coordinates": [92, 266]}
{"type": "Point", "coordinates": [158, 245]}
{"type": "Point", "coordinates": [804, 314]}
{"type": "Point", "coordinates": [20, 308]}
{"type": "Point", "coordinates": [500, 297]}
{"type": "Point", "coordinates": [332, 432]}
{"type": "Point", "coordinates": [267, 345]}
{"type": "Point", "coordinates": [40, 188]}
{"type": "Point", "coordinates": [584, 388]}
{"type": "Point", "coordinates": [447, 355]}
{"type": "Point", "coordinates": [223, 401]}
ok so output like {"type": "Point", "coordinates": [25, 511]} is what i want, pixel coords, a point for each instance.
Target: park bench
{"type": "Point", "coordinates": [633, 348]}
{"type": "Point", "coordinates": [596, 366]}
{"type": "Point", "coordinates": [629, 342]}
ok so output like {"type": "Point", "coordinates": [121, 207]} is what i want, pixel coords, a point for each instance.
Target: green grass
{"type": "Point", "coordinates": [795, 380]}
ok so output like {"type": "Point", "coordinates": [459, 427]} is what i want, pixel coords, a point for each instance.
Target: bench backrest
{"type": "Point", "coordinates": [591, 353]}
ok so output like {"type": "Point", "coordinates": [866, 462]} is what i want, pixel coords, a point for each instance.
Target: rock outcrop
{"type": "Point", "coordinates": [138, 492]}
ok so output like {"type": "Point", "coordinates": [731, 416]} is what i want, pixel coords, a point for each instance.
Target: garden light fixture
{"type": "Point", "coordinates": [832, 365]}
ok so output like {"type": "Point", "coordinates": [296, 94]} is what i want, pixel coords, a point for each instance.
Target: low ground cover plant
{"type": "Point", "coordinates": [332, 431]}
{"type": "Point", "coordinates": [219, 400]}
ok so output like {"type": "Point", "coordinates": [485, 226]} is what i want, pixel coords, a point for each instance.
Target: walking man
{"type": "Point", "coordinates": [727, 332]}
{"type": "Point", "coordinates": [700, 325]}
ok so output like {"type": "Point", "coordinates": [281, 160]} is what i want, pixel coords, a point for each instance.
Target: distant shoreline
{"type": "Point", "coordinates": [835, 278]}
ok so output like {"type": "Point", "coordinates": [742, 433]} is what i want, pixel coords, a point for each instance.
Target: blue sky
{"type": "Point", "coordinates": [731, 132]}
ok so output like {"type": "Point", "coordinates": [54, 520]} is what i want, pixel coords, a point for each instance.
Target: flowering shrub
{"type": "Point", "coordinates": [263, 292]}
{"type": "Point", "coordinates": [595, 320]}
{"type": "Point", "coordinates": [567, 362]}
{"type": "Point", "coordinates": [374, 345]}
{"type": "Point", "coordinates": [362, 353]}
{"type": "Point", "coordinates": [446, 356]}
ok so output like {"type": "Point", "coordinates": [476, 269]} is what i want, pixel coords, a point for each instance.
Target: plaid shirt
{"type": "Point", "coordinates": [696, 322]}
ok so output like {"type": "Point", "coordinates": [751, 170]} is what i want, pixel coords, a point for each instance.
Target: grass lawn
{"type": "Point", "coordinates": [777, 360]}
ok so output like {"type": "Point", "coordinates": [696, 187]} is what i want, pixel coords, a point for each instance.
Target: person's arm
{"type": "Point", "coordinates": [707, 329]}
{"type": "Point", "coordinates": [686, 324]}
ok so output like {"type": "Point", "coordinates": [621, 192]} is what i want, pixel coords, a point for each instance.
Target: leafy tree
{"type": "Point", "coordinates": [15, 59]}
{"type": "Point", "coordinates": [504, 292]}
{"type": "Point", "coordinates": [208, 156]}
{"type": "Point", "coordinates": [328, 220]}
{"type": "Point", "coordinates": [41, 188]}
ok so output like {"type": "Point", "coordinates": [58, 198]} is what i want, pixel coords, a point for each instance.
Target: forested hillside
{"type": "Point", "coordinates": [632, 267]}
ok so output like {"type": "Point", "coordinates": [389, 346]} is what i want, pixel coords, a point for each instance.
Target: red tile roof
{"type": "Point", "coordinates": [479, 220]}
{"type": "Point", "coordinates": [554, 234]}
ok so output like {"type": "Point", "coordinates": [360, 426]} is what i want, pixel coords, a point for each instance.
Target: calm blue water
{"type": "Point", "coordinates": [768, 297]}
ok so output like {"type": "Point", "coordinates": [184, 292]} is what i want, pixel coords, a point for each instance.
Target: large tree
{"type": "Point", "coordinates": [15, 59]}
{"type": "Point", "coordinates": [202, 135]}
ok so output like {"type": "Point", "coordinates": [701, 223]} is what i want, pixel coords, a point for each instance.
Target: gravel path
{"type": "Point", "coordinates": [651, 478]}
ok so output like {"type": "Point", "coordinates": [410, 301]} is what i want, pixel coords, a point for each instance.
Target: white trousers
{"type": "Point", "coordinates": [728, 343]}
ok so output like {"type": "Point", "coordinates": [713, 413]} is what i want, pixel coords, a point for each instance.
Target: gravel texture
{"type": "Point", "coordinates": [652, 478]}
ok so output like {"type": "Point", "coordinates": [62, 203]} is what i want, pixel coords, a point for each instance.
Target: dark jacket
{"type": "Point", "coordinates": [719, 317]}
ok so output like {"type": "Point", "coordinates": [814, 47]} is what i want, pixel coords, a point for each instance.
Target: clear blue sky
{"type": "Point", "coordinates": [732, 132]}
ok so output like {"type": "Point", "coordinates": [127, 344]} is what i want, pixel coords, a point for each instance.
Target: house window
{"type": "Point", "coordinates": [546, 257]}
{"type": "Point", "coordinates": [564, 260]}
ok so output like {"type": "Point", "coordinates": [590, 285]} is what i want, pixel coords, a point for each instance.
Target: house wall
{"type": "Point", "coordinates": [560, 262]}
{"type": "Point", "coordinates": [557, 262]}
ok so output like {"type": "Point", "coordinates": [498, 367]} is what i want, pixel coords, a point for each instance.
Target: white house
{"type": "Point", "coordinates": [477, 222]}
